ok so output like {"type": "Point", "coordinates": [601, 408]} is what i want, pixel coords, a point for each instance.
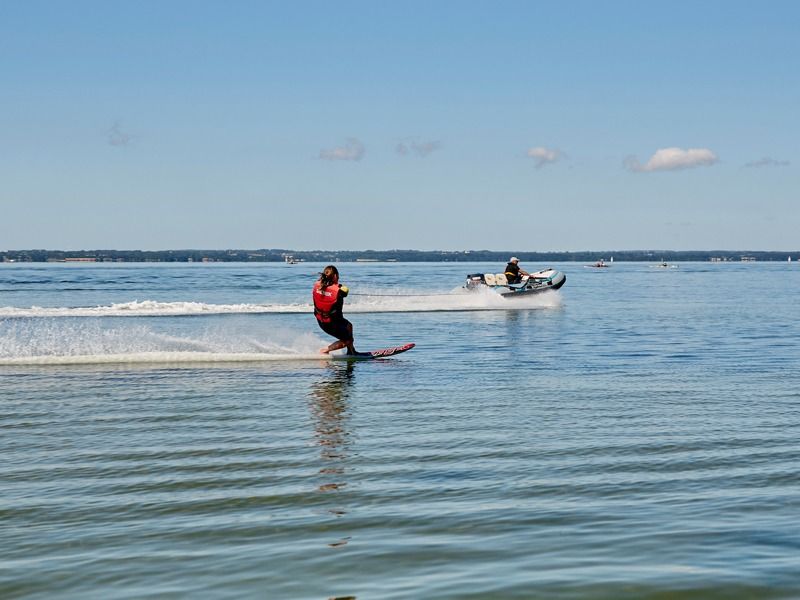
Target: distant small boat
{"type": "Point", "coordinates": [600, 264]}
{"type": "Point", "coordinates": [664, 265]}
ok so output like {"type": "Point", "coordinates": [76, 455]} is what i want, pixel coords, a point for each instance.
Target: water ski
{"type": "Point", "coordinates": [382, 353]}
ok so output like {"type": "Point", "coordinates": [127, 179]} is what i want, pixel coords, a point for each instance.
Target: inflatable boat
{"type": "Point", "coordinates": [535, 283]}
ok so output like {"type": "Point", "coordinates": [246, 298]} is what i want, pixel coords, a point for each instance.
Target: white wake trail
{"type": "Point", "coordinates": [72, 342]}
{"type": "Point", "coordinates": [159, 358]}
{"type": "Point", "coordinates": [358, 303]}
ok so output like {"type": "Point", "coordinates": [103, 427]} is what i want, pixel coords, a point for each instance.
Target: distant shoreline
{"type": "Point", "coordinates": [336, 256]}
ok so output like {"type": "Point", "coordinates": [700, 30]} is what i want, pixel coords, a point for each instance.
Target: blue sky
{"type": "Point", "coordinates": [526, 126]}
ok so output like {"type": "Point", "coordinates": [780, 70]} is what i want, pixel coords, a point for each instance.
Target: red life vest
{"type": "Point", "coordinates": [327, 302]}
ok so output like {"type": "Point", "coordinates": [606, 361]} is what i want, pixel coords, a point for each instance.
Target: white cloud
{"type": "Point", "coordinates": [767, 162]}
{"type": "Point", "coordinates": [352, 150]}
{"type": "Point", "coordinates": [421, 149]}
{"type": "Point", "coordinates": [116, 137]}
{"type": "Point", "coordinates": [673, 159]}
{"type": "Point", "coordinates": [544, 156]}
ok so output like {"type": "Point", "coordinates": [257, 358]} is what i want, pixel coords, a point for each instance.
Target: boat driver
{"type": "Point", "coordinates": [513, 272]}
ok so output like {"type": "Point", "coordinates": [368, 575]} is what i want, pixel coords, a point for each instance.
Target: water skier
{"type": "Point", "coordinates": [329, 297]}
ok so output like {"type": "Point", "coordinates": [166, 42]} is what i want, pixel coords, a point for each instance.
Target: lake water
{"type": "Point", "coordinates": [167, 431]}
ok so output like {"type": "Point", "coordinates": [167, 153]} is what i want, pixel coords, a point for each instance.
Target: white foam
{"type": "Point", "coordinates": [57, 341]}
{"type": "Point", "coordinates": [457, 300]}
{"type": "Point", "coordinates": [159, 358]}
{"type": "Point", "coordinates": [151, 308]}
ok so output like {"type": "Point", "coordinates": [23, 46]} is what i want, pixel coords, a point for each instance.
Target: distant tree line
{"type": "Point", "coordinates": [281, 255]}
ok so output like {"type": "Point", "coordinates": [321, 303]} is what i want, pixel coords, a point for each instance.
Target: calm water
{"type": "Point", "coordinates": [634, 435]}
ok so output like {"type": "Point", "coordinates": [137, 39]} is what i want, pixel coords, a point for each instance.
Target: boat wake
{"type": "Point", "coordinates": [77, 342]}
{"type": "Point", "coordinates": [157, 358]}
{"type": "Point", "coordinates": [456, 300]}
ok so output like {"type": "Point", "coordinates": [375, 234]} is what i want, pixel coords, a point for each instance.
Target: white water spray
{"type": "Point", "coordinates": [457, 300]}
{"type": "Point", "coordinates": [57, 341]}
